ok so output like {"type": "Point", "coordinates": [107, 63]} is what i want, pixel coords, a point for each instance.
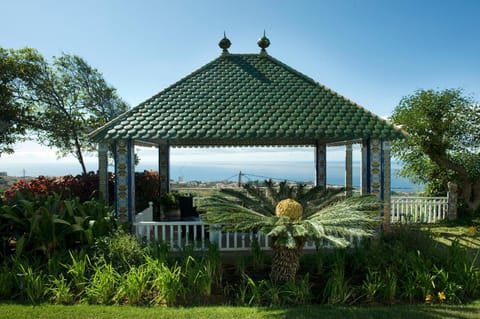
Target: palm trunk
{"type": "Point", "coordinates": [286, 261]}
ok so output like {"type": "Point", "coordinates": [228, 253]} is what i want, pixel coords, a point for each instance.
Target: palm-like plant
{"type": "Point", "coordinates": [291, 215]}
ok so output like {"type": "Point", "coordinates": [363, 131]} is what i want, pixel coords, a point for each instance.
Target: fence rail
{"type": "Point", "coordinates": [179, 234]}
{"type": "Point", "coordinates": [418, 209]}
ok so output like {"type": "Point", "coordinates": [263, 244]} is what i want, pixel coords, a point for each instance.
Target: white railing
{"type": "Point", "coordinates": [178, 234]}
{"type": "Point", "coordinates": [418, 209]}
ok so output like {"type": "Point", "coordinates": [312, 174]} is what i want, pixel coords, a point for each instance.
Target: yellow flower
{"type": "Point", "coordinates": [289, 208]}
{"type": "Point", "coordinates": [428, 298]}
{"type": "Point", "coordinates": [441, 296]}
{"type": "Point", "coordinates": [472, 229]}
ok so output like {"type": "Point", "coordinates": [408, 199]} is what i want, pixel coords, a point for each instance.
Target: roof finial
{"type": "Point", "coordinates": [224, 43]}
{"type": "Point", "coordinates": [263, 42]}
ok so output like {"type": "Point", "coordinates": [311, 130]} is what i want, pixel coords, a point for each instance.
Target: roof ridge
{"type": "Point", "coordinates": [211, 103]}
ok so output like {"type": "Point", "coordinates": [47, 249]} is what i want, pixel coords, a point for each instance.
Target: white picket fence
{"type": "Point", "coordinates": [407, 210]}
{"type": "Point", "coordinates": [179, 234]}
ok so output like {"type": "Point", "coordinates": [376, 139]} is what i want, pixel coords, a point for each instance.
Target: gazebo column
{"type": "Point", "coordinates": [386, 184]}
{"type": "Point", "coordinates": [348, 169]}
{"type": "Point", "coordinates": [124, 180]}
{"type": "Point", "coordinates": [164, 167]}
{"type": "Point", "coordinates": [320, 165]}
{"type": "Point", "coordinates": [376, 173]}
{"type": "Point", "coordinates": [365, 168]}
{"type": "Point", "coordinates": [103, 171]}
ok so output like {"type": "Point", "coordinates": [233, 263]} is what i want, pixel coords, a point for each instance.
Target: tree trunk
{"type": "Point", "coordinates": [79, 155]}
{"type": "Point", "coordinates": [471, 195]}
{"type": "Point", "coordinates": [470, 191]}
{"type": "Point", "coordinates": [286, 261]}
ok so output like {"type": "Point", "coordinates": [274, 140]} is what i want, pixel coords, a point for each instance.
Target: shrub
{"type": "Point", "coordinates": [102, 287]}
{"type": "Point", "coordinates": [46, 224]}
{"type": "Point", "coordinates": [120, 249]}
{"type": "Point", "coordinates": [84, 186]}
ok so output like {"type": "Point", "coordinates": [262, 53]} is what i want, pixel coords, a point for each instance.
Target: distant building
{"type": "Point", "coordinates": [3, 174]}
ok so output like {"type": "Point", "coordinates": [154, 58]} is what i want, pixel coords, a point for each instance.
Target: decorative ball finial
{"type": "Point", "coordinates": [224, 43]}
{"type": "Point", "coordinates": [263, 42]}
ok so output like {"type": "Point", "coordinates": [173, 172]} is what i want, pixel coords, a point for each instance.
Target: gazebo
{"type": "Point", "coordinates": [246, 100]}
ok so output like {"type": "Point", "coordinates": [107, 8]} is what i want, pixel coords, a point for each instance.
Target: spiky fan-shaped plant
{"type": "Point", "coordinates": [327, 215]}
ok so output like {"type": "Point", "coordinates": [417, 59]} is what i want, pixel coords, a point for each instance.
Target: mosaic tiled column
{"type": "Point", "coordinates": [375, 152]}
{"type": "Point", "coordinates": [103, 170]}
{"type": "Point", "coordinates": [386, 183]}
{"type": "Point", "coordinates": [376, 175]}
{"type": "Point", "coordinates": [164, 167]}
{"type": "Point", "coordinates": [348, 169]}
{"type": "Point", "coordinates": [124, 180]}
{"type": "Point", "coordinates": [365, 168]}
{"type": "Point", "coordinates": [320, 165]}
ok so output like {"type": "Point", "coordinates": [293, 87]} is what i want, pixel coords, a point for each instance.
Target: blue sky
{"type": "Point", "coordinates": [373, 52]}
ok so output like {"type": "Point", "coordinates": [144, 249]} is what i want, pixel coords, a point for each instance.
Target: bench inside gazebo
{"type": "Point", "coordinates": [242, 100]}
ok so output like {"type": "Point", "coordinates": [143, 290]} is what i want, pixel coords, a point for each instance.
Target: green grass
{"type": "Point", "coordinates": [16, 311]}
{"type": "Point", "coordinates": [465, 233]}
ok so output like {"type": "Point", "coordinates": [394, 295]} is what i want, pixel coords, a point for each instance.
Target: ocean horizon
{"type": "Point", "coordinates": [301, 171]}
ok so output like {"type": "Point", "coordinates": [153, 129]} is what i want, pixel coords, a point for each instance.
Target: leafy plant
{"type": "Point", "coordinates": [7, 282]}
{"type": "Point", "coordinates": [77, 270]}
{"type": "Point", "coordinates": [372, 285]}
{"type": "Point", "coordinates": [48, 223]}
{"type": "Point", "coordinates": [60, 291]}
{"type": "Point", "coordinates": [135, 285]}
{"type": "Point", "coordinates": [338, 289]}
{"type": "Point", "coordinates": [32, 283]}
{"type": "Point", "coordinates": [121, 249]}
{"type": "Point", "coordinates": [168, 284]}
{"type": "Point", "coordinates": [102, 287]}
{"type": "Point", "coordinates": [291, 215]}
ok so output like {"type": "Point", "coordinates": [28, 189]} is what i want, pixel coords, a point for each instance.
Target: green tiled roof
{"type": "Point", "coordinates": [246, 99]}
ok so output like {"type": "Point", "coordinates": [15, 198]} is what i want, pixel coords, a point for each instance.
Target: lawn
{"type": "Point", "coordinates": [15, 311]}
{"type": "Point", "coordinates": [464, 232]}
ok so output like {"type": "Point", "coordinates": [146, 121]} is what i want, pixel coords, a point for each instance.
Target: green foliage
{"type": "Point", "coordinates": [269, 293]}
{"type": "Point", "coordinates": [32, 282]}
{"type": "Point", "coordinates": [327, 216]}
{"type": "Point", "coordinates": [84, 186]}
{"type": "Point", "coordinates": [78, 272]}
{"type": "Point", "coordinates": [18, 71]}
{"type": "Point", "coordinates": [405, 265]}
{"type": "Point", "coordinates": [61, 101]}
{"type": "Point", "coordinates": [168, 285]}
{"type": "Point", "coordinates": [102, 287]}
{"type": "Point", "coordinates": [338, 288]}
{"type": "Point", "coordinates": [48, 223]}
{"type": "Point", "coordinates": [120, 249]}
{"type": "Point", "coordinates": [442, 141]}
{"type": "Point", "coordinates": [7, 282]}
{"type": "Point", "coordinates": [135, 285]}
{"type": "Point", "coordinates": [60, 291]}
{"type": "Point", "coordinates": [73, 99]}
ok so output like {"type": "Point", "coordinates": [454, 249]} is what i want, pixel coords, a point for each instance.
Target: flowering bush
{"type": "Point", "coordinates": [85, 187]}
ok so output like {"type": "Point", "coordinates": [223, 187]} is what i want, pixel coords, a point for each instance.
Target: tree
{"type": "Point", "coordinates": [442, 143]}
{"type": "Point", "coordinates": [71, 99]}
{"type": "Point", "coordinates": [18, 69]}
{"type": "Point", "coordinates": [292, 215]}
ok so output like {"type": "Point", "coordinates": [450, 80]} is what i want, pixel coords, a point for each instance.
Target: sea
{"type": "Point", "coordinates": [298, 172]}
{"type": "Point", "coordinates": [221, 170]}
